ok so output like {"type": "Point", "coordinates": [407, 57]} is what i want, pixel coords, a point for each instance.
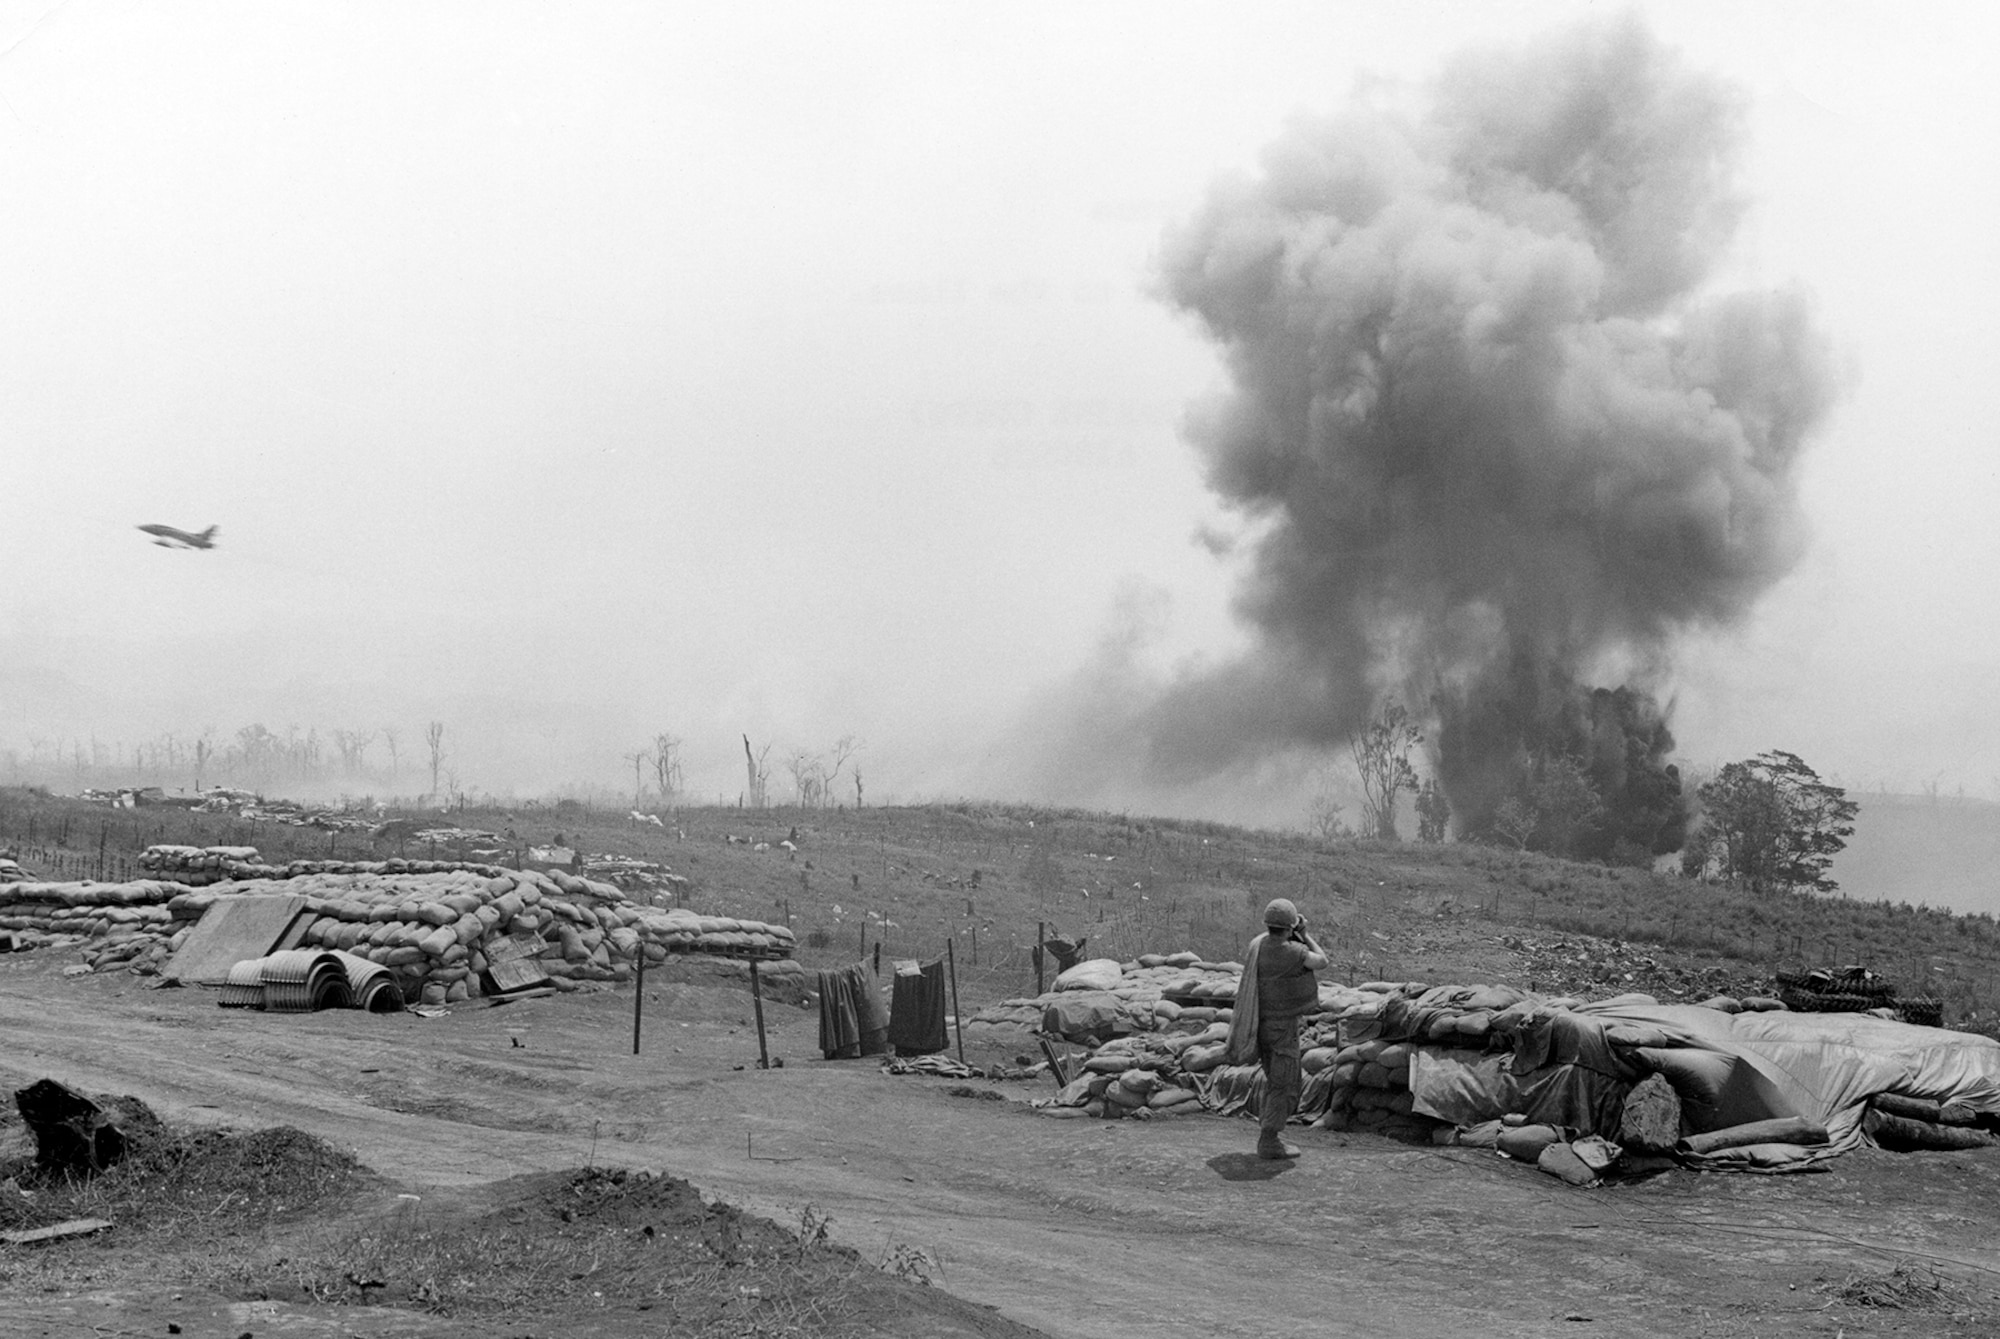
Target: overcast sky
{"type": "Point", "coordinates": [570, 373]}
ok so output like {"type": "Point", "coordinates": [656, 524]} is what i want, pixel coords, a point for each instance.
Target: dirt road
{"type": "Point", "coordinates": [1078, 1228]}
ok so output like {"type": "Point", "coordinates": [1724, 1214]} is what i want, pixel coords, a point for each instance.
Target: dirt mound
{"type": "Point", "coordinates": [169, 1177]}
{"type": "Point", "coordinates": [664, 1207]}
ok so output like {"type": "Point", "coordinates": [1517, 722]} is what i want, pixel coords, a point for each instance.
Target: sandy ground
{"type": "Point", "coordinates": [1074, 1227]}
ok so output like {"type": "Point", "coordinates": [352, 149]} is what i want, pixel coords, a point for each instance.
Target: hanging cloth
{"type": "Point", "coordinates": [916, 1008]}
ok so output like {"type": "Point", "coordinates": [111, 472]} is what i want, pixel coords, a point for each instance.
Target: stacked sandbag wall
{"type": "Point", "coordinates": [1150, 992]}
{"type": "Point", "coordinates": [438, 925]}
{"type": "Point", "coordinates": [130, 920]}
{"type": "Point", "coordinates": [1364, 1086]}
{"type": "Point", "coordinates": [1131, 1077]}
{"type": "Point", "coordinates": [197, 866]}
{"type": "Point", "coordinates": [441, 932]}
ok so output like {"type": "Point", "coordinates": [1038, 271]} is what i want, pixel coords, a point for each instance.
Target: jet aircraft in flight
{"type": "Point", "coordinates": [168, 537]}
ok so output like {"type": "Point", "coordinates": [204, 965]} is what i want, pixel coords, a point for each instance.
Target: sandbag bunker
{"type": "Point", "coordinates": [1584, 1090]}
{"type": "Point", "coordinates": [415, 931]}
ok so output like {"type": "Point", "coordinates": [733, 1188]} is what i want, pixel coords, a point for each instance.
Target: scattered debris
{"type": "Point", "coordinates": [1906, 1287]}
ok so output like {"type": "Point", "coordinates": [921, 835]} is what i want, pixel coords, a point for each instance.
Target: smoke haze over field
{"type": "Point", "coordinates": [1489, 434]}
{"type": "Point", "coordinates": [573, 375]}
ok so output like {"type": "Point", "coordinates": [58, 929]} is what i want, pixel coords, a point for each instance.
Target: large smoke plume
{"type": "Point", "coordinates": [1493, 438]}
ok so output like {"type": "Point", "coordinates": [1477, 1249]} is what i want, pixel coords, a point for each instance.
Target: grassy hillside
{"type": "Point", "coordinates": [983, 877]}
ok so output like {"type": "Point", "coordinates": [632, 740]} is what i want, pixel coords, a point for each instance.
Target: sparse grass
{"type": "Point", "coordinates": [1907, 1286]}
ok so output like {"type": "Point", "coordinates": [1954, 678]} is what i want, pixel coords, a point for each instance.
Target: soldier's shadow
{"type": "Point", "coordinates": [1248, 1166]}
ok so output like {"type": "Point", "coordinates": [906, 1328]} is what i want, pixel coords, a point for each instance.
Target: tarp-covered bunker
{"type": "Point", "coordinates": [1759, 1088]}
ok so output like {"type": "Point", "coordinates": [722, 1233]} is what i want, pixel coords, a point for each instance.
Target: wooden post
{"type": "Point", "coordinates": [1041, 937]}
{"type": "Point", "coordinates": [975, 946]}
{"type": "Point", "coordinates": [757, 1001]}
{"type": "Point", "coordinates": [878, 957]}
{"type": "Point", "coordinates": [864, 937]}
{"type": "Point", "coordinates": [638, 996]}
{"type": "Point", "coordinates": [951, 967]}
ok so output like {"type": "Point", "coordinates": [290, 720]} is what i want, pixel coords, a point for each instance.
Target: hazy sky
{"type": "Point", "coordinates": [569, 373]}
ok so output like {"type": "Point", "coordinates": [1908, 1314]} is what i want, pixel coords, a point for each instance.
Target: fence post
{"type": "Point", "coordinates": [639, 995]}
{"type": "Point", "coordinates": [951, 966]}
{"type": "Point", "coordinates": [1041, 937]}
{"type": "Point", "coordinates": [757, 1000]}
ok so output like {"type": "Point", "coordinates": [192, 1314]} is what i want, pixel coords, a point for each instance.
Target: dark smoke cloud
{"type": "Point", "coordinates": [1487, 427]}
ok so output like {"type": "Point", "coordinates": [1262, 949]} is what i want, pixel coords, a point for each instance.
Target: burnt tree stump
{"type": "Point", "coordinates": [73, 1134]}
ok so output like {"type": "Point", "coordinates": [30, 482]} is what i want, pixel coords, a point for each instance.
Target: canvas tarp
{"type": "Point", "coordinates": [1572, 1067]}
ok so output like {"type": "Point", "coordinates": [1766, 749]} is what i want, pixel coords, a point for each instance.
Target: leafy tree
{"type": "Point", "coordinates": [1552, 806]}
{"type": "Point", "coordinates": [1566, 803]}
{"type": "Point", "coordinates": [1515, 819]}
{"type": "Point", "coordinates": [1771, 822]}
{"type": "Point", "coordinates": [1381, 753]}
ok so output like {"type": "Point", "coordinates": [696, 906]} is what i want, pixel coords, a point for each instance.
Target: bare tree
{"type": "Point", "coordinates": [844, 748]}
{"type": "Point", "coordinates": [809, 776]}
{"type": "Point", "coordinates": [392, 739]}
{"type": "Point", "coordinates": [434, 740]}
{"type": "Point", "coordinates": [352, 745]}
{"type": "Point", "coordinates": [1325, 813]}
{"type": "Point", "coordinates": [759, 774]}
{"type": "Point", "coordinates": [638, 761]}
{"type": "Point", "coordinates": [204, 753]}
{"type": "Point", "coordinates": [666, 759]}
{"type": "Point", "coordinates": [857, 785]}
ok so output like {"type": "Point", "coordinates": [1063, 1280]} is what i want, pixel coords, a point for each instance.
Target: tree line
{"type": "Point", "coordinates": [1769, 822]}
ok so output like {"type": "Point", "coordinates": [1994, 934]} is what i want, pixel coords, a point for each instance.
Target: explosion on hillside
{"type": "Point", "coordinates": [1492, 438]}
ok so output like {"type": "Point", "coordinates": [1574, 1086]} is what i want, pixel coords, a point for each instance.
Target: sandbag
{"type": "Point", "coordinates": [1596, 1152]}
{"type": "Point", "coordinates": [1781, 1130]}
{"type": "Point", "coordinates": [1924, 1109]}
{"type": "Point", "coordinates": [1524, 1143]}
{"type": "Point", "coordinates": [1095, 974]}
{"type": "Point", "coordinates": [1486, 1134]}
{"type": "Point", "coordinates": [1140, 1083]}
{"type": "Point", "coordinates": [1201, 1059]}
{"type": "Point", "coordinates": [1561, 1160]}
{"type": "Point", "coordinates": [1903, 1135]}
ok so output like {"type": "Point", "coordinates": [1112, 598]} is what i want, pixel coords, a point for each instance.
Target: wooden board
{"type": "Point", "coordinates": [74, 1227]}
{"type": "Point", "coordinates": [233, 929]}
{"type": "Point", "coordinates": [513, 947]}
{"type": "Point", "coordinates": [519, 974]}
